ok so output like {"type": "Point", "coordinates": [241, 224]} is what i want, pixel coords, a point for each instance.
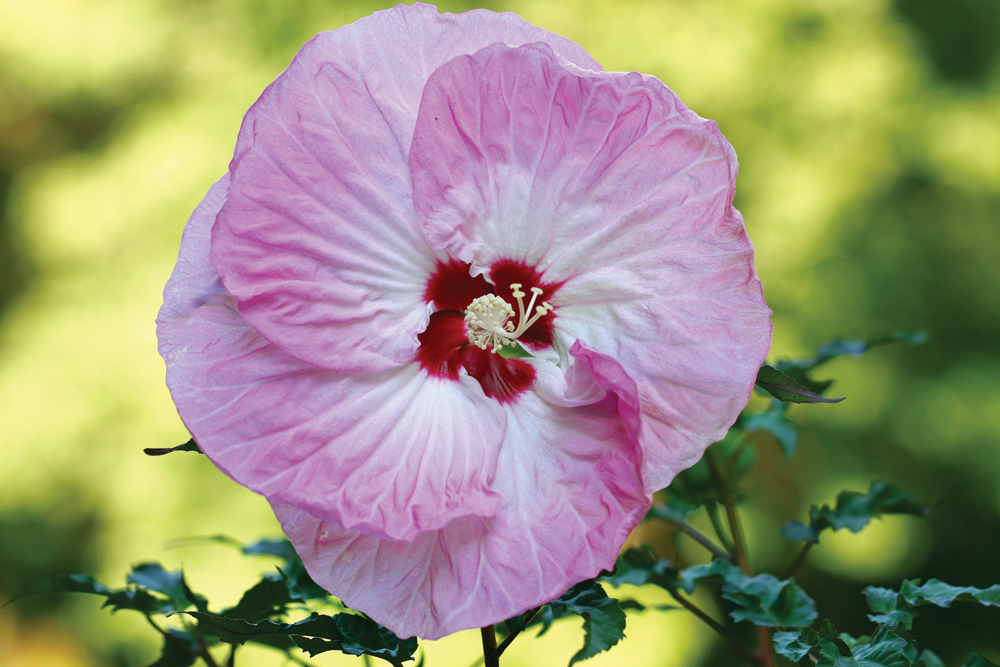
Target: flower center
{"type": "Point", "coordinates": [487, 318]}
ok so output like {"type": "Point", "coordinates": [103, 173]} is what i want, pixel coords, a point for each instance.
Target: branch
{"type": "Point", "coordinates": [490, 647]}
{"type": "Point", "coordinates": [715, 625]}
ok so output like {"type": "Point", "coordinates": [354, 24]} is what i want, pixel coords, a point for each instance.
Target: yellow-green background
{"type": "Point", "coordinates": [869, 139]}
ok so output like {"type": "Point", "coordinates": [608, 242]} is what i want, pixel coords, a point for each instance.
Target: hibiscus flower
{"type": "Point", "coordinates": [462, 302]}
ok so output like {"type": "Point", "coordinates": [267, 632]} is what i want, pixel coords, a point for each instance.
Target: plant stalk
{"type": "Point", "coordinates": [800, 558]}
{"type": "Point", "coordinates": [490, 647]}
{"type": "Point", "coordinates": [765, 651]}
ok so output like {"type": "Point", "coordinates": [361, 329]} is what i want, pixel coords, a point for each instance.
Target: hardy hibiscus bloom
{"type": "Point", "coordinates": [461, 304]}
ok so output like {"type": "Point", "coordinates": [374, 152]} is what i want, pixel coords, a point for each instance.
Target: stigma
{"type": "Point", "coordinates": [488, 318]}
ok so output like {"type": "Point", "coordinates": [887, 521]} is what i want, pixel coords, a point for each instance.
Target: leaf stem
{"type": "Point", "coordinates": [739, 547]}
{"type": "Point", "coordinates": [489, 647]}
{"type": "Point", "coordinates": [715, 625]}
{"type": "Point", "coordinates": [702, 539]}
{"type": "Point", "coordinates": [525, 619]}
{"type": "Point", "coordinates": [800, 558]}
{"type": "Point", "coordinates": [713, 514]}
{"type": "Point", "coordinates": [205, 655]}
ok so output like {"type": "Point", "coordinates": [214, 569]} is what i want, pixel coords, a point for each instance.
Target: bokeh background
{"type": "Point", "coordinates": [869, 139]}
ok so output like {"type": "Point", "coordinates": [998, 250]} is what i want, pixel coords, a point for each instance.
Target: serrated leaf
{"type": "Point", "coordinates": [789, 643]}
{"type": "Point", "coordinates": [976, 660]}
{"type": "Point", "coordinates": [153, 577]}
{"type": "Point", "coordinates": [777, 424]}
{"type": "Point", "coordinates": [349, 633]}
{"type": "Point", "coordinates": [854, 511]}
{"type": "Point", "coordinates": [890, 608]}
{"type": "Point", "coordinates": [885, 649]}
{"type": "Point", "coordinates": [940, 594]}
{"type": "Point", "coordinates": [796, 645]}
{"type": "Point", "coordinates": [189, 446]}
{"type": "Point", "coordinates": [301, 586]}
{"type": "Point", "coordinates": [784, 388]}
{"type": "Point", "coordinates": [266, 598]}
{"type": "Point", "coordinates": [603, 618]}
{"type": "Point", "coordinates": [763, 600]}
{"type": "Point", "coordinates": [897, 610]}
{"type": "Point", "coordinates": [179, 650]}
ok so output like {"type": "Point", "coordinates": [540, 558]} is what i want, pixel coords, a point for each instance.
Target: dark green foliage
{"type": "Point", "coordinates": [152, 576]}
{"type": "Point", "coordinates": [898, 609]}
{"type": "Point", "coordinates": [638, 567]}
{"type": "Point", "coordinates": [763, 600]}
{"type": "Point", "coordinates": [603, 618]}
{"type": "Point", "coordinates": [189, 446]}
{"type": "Point", "coordinates": [349, 633]}
{"type": "Point", "coordinates": [267, 598]}
{"type": "Point", "coordinates": [854, 511]}
{"type": "Point", "coordinates": [823, 647]}
{"type": "Point", "coordinates": [976, 660]}
{"type": "Point", "coordinates": [785, 388]}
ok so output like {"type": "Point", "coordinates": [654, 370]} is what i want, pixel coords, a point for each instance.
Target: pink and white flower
{"type": "Point", "coordinates": [414, 194]}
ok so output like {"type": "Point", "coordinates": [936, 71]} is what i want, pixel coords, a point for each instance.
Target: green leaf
{"type": "Point", "coordinates": [763, 600]}
{"type": "Point", "coordinates": [796, 645]}
{"type": "Point", "coordinates": [940, 594]}
{"type": "Point", "coordinates": [179, 649]}
{"type": "Point", "coordinates": [189, 446]}
{"type": "Point", "coordinates": [639, 567]}
{"type": "Point", "coordinates": [976, 660]}
{"type": "Point", "coordinates": [885, 649]}
{"type": "Point", "coordinates": [135, 599]}
{"type": "Point", "coordinates": [268, 597]}
{"type": "Point", "coordinates": [349, 633]}
{"type": "Point", "coordinates": [854, 511]}
{"type": "Point", "coordinates": [896, 610]}
{"type": "Point", "coordinates": [891, 609]}
{"type": "Point", "coordinates": [789, 643]}
{"type": "Point", "coordinates": [777, 424]}
{"type": "Point", "coordinates": [153, 577]}
{"type": "Point", "coordinates": [798, 369]}
{"type": "Point", "coordinates": [784, 388]}
{"type": "Point", "coordinates": [603, 618]}
{"type": "Point", "coordinates": [301, 587]}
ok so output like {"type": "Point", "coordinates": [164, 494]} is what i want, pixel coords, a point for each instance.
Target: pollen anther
{"type": "Point", "coordinates": [487, 318]}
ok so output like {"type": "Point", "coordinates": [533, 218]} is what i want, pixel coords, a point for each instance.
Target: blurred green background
{"type": "Point", "coordinates": [869, 138]}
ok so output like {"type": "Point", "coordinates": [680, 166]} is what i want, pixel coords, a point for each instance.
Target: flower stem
{"type": "Point", "coordinates": [800, 558]}
{"type": "Point", "coordinates": [526, 618]}
{"type": "Point", "coordinates": [715, 625]}
{"type": "Point", "coordinates": [490, 647]}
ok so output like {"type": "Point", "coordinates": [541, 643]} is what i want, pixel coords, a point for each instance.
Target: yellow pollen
{"type": "Point", "coordinates": [487, 318]}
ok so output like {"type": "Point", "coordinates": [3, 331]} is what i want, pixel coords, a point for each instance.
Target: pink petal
{"type": "Point", "coordinates": [389, 454]}
{"type": "Point", "coordinates": [572, 491]}
{"type": "Point", "coordinates": [615, 191]}
{"type": "Point", "coordinates": [318, 238]}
